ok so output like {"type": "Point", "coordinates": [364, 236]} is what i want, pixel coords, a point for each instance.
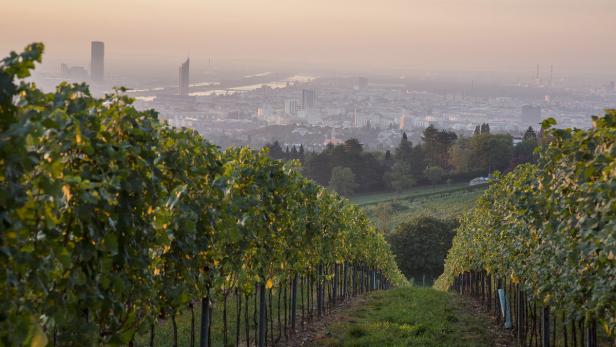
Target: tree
{"type": "Point", "coordinates": [342, 181]}
{"type": "Point", "coordinates": [485, 128]}
{"type": "Point", "coordinates": [530, 135]}
{"type": "Point", "coordinates": [491, 151]}
{"type": "Point", "coordinates": [388, 155]}
{"type": "Point", "coordinates": [477, 130]}
{"type": "Point", "coordinates": [417, 162]}
{"type": "Point", "coordinates": [301, 154]}
{"type": "Point", "coordinates": [404, 149]}
{"type": "Point", "coordinates": [413, 157]}
{"type": "Point", "coordinates": [434, 174]}
{"type": "Point", "coordinates": [275, 150]}
{"type": "Point", "coordinates": [294, 154]}
{"type": "Point", "coordinates": [368, 170]}
{"type": "Point", "coordinates": [353, 147]}
{"type": "Point", "coordinates": [437, 144]}
{"type": "Point", "coordinates": [388, 160]}
{"type": "Point", "coordinates": [523, 152]}
{"type": "Point", "coordinates": [399, 177]}
{"type": "Point", "coordinates": [461, 156]}
{"type": "Point", "coordinates": [421, 244]}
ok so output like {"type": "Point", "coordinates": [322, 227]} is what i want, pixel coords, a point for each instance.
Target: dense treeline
{"type": "Point", "coordinates": [441, 157]}
{"type": "Point", "coordinates": [110, 219]}
{"type": "Point", "coordinates": [549, 229]}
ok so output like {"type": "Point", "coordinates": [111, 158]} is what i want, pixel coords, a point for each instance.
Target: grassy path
{"type": "Point", "coordinates": [411, 317]}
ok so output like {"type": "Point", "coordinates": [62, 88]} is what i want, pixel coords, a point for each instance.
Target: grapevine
{"type": "Point", "coordinates": [112, 219]}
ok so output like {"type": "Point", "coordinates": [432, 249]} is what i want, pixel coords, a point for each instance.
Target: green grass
{"type": "Point", "coordinates": [442, 201]}
{"type": "Point", "coordinates": [449, 205]}
{"type": "Point", "coordinates": [409, 317]}
{"type": "Point", "coordinates": [413, 193]}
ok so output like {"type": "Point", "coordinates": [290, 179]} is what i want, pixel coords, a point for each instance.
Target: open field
{"type": "Point", "coordinates": [374, 198]}
{"type": "Point", "coordinates": [442, 204]}
{"type": "Point", "coordinates": [414, 193]}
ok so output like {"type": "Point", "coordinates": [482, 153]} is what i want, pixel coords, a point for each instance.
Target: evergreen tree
{"type": "Point", "coordinates": [477, 130]}
{"type": "Point", "coordinates": [485, 128]}
{"type": "Point", "coordinates": [301, 153]}
{"type": "Point", "coordinates": [530, 135]}
{"type": "Point", "coordinates": [523, 152]}
{"type": "Point", "coordinates": [404, 149]}
{"type": "Point", "coordinates": [275, 150]}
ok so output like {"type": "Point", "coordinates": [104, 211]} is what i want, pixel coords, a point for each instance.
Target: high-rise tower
{"type": "Point", "coordinates": [309, 98]}
{"type": "Point", "coordinates": [184, 77]}
{"type": "Point", "coordinates": [97, 61]}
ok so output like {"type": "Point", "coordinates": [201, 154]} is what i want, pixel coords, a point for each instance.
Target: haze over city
{"type": "Point", "coordinates": [483, 35]}
{"type": "Point", "coordinates": [317, 72]}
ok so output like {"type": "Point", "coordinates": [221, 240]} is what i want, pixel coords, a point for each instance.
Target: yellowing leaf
{"type": "Point", "coordinates": [66, 190]}
{"type": "Point", "coordinates": [39, 339]}
{"type": "Point", "coordinates": [514, 279]}
{"type": "Point", "coordinates": [78, 138]}
{"type": "Point", "coordinates": [156, 271]}
{"type": "Point", "coordinates": [269, 284]}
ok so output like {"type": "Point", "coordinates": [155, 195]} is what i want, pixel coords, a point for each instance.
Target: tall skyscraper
{"type": "Point", "coordinates": [184, 77]}
{"type": "Point", "coordinates": [309, 98]}
{"type": "Point", "coordinates": [97, 61]}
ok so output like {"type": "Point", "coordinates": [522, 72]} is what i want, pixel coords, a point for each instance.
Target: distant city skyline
{"type": "Point", "coordinates": [367, 34]}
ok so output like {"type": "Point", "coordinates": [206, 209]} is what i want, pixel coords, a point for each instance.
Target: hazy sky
{"type": "Point", "coordinates": [368, 34]}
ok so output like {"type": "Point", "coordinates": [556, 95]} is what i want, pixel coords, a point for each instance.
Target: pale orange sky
{"type": "Point", "coordinates": [416, 34]}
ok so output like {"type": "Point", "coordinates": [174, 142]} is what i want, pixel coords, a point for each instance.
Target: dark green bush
{"type": "Point", "coordinates": [420, 245]}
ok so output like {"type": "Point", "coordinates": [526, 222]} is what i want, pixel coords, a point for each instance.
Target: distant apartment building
{"type": "Point", "coordinates": [530, 115]}
{"type": "Point", "coordinates": [78, 73]}
{"type": "Point", "coordinates": [309, 98]}
{"type": "Point", "coordinates": [290, 107]}
{"type": "Point", "coordinates": [97, 61]}
{"type": "Point", "coordinates": [184, 78]}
